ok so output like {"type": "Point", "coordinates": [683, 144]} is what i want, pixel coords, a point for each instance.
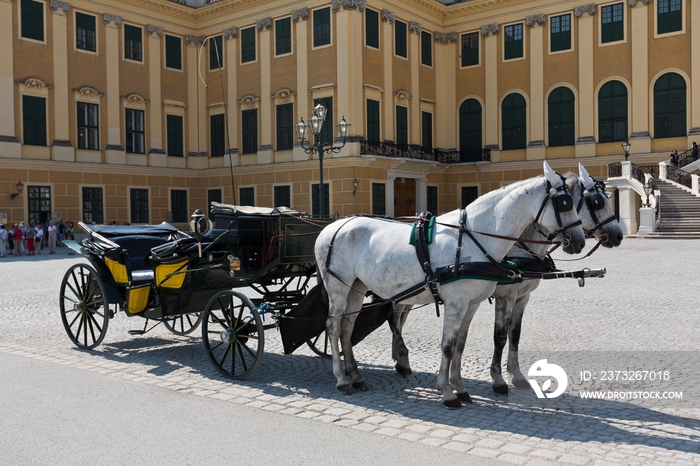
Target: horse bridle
{"type": "Point", "coordinates": [561, 202]}
{"type": "Point", "coordinates": [595, 200]}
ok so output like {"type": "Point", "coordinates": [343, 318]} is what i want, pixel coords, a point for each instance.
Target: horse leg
{"type": "Point", "coordinates": [504, 305]}
{"type": "Point", "coordinates": [450, 334]}
{"type": "Point", "coordinates": [336, 300]}
{"type": "Point", "coordinates": [355, 299]}
{"type": "Point", "coordinates": [456, 365]}
{"type": "Point", "coordinates": [399, 351]}
{"type": "Point", "coordinates": [514, 327]}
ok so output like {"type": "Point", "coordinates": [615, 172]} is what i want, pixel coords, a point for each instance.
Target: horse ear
{"type": "Point", "coordinates": [552, 176]}
{"type": "Point", "coordinates": [588, 182]}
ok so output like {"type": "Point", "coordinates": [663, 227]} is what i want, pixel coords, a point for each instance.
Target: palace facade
{"type": "Point", "coordinates": [141, 111]}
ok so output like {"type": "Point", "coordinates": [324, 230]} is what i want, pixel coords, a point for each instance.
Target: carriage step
{"type": "Point", "coordinates": [136, 332]}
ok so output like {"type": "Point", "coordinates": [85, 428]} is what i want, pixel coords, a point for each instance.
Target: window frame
{"type": "Point", "coordinates": [510, 142]}
{"type": "Point", "coordinates": [426, 125]}
{"type": "Point", "coordinates": [86, 47]}
{"type": "Point", "coordinates": [284, 122]}
{"type": "Point", "coordinates": [279, 195]}
{"type": "Point", "coordinates": [467, 110]}
{"type": "Point", "coordinates": [612, 24]}
{"type": "Point", "coordinates": [286, 42]}
{"type": "Point", "coordinates": [668, 115]}
{"type": "Point", "coordinates": [426, 49]}
{"type": "Point", "coordinates": [327, 134]}
{"type": "Point", "coordinates": [178, 205]}
{"type": "Point", "coordinates": [379, 198]}
{"type": "Point", "coordinates": [432, 199]}
{"type": "Point", "coordinates": [31, 123]}
{"type": "Point", "coordinates": [401, 131]}
{"type": "Point", "coordinates": [615, 119]}
{"type": "Point", "coordinates": [90, 128]}
{"type": "Point", "coordinates": [137, 212]}
{"type": "Point", "coordinates": [563, 36]}
{"type": "Point", "coordinates": [506, 54]}
{"type": "Point", "coordinates": [96, 212]}
{"type": "Point", "coordinates": [135, 133]}
{"type": "Point", "coordinates": [318, 34]}
{"type": "Point", "coordinates": [249, 51]}
{"type": "Point", "coordinates": [216, 60]}
{"type": "Point", "coordinates": [371, 29]}
{"type": "Point", "coordinates": [400, 39]}
{"type": "Point", "coordinates": [467, 192]}
{"type": "Point", "coordinates": [29, 15]}
{"type": "Point", "coordinates": [477, 49]}
{"type": "Point", "coordinates": [326, 200]}
{"type": "Point", "coordinates": [557, 133]}
{"type": "Point", "coordinates": [661, 18]}
{"type": "Point", "coordinates": [169, 52]}
{"type": "Point", "coordinates": [132, 53]}
{"type": "Point", "coordinates": [249, 131]}
{"type": "Point", "coordinates": [241, 196]}
{"type": "Point", "coordinates": [175, 143]}
{"type": "Point", "coordinates": [39, 201]}
{"type": "Point", "coordinates": [217, 140]}
{"type": "Point", "coordinates": [373, 121]}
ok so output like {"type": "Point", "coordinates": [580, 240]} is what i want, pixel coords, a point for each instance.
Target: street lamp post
{"type": "Point", "coordinates": [319, 147]}
{"type": "Point", "coordinates": [626, 147]}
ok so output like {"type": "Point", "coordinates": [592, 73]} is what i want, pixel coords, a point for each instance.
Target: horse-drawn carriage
{"type": "Point", "coordinates": [184, 280]}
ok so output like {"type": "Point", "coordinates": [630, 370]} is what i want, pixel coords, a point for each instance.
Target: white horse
{"type": "Point", "coordinates": [362, 253]}
{"type": "Point", "coordinates": [599, 221]}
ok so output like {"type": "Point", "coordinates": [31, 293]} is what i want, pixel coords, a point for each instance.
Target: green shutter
{"type": "Point", "coordinates": [250, 131]}
{"type": "Point", "coordinates": [248, 45]}
{"type": "Point", "coordinates": [283, 36]}
{"type": "Point", "coordinates": [514, 122]}
{"type": "Point", "coordinates": [612, 23]}
{"type": "Point", "coordinates": [216, 53]}
{"type": "Point", "coordinates": [560, 27]}
{"type": "Point", "coordinates": [285, 127]}
{"type": "Point", "coordinates": [175, 142]}
{"type": "Point", "coordinates": [513, 41]}
{"type": "Point", "coordinates": [670, 16]}
{"type": "Point", "coordinates": [34, 120]}
{"type": "Point", "coordinates": [32, 20]}
{"type": "Point", "coordinates": [373, 121]}
{"type": "Point", "coordinates": [670, 106]}
{"type": "Point", "coordinates": [173, 52]}
{"type": "Point", "coordinates": [470, 49]}
{"type": "Point", "coordinates": [401, 125]}
{"type": "Point", "coordinates": [322, 27]}
{"type": "Point", "coordinates": [561, 117]}
{"type": "Point", "coordinates": [470, 135]}
{"type": "Point", "coordinates": [426, 48]}
{"type": "Point", "coordinates": [427, 131]}
{"type": "Point", "coordinates": [400, 38]}
{"type": "Point", "coordinates": [372, 28]}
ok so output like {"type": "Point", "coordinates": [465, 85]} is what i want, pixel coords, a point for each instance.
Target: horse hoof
{"type": "Point", "coordinates": [464, 397]}
{"type": "Point", "coordinates": [521, 383]}
{"type": "Point", "coordinates": [361, 385]}
{"type": "Point", "coordinates": [345, 389]}
{"type": "Point", "coordinates": [403, 371]}
{"type": "Point", "coordinates": [500, 389]}
{"type": "Point", "coordinates": [452, 403]}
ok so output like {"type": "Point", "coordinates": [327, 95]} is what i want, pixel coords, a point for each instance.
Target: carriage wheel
{"type": "Point", "coordinates": [233, 334]}
{"type": "Point", "coordinates": [84, 308]}
{"type": "Point", "coordinates": [184, 324]}
{"type": "Point", "coordinates": [320, 345]}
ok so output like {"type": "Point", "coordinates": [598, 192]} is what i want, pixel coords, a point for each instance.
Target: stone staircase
{"type": "Point", "coordinates": [679, 213]}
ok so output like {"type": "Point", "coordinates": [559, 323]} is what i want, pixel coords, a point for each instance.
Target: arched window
{"type": "Point", "coordinates": [612, 112]}
{"type": "Point", "coordinates": [470, 131]}
{"type": "Point", "coordinates": [669, 106]}
{"type": "Point", "coordinates": [513, 122]}
{"type": "Point", "coordinates": [561, 117]}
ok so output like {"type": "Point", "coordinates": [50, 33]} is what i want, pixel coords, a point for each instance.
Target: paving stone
{"type": "Point", "coordinates": [484, 452]}
{"type": "Point", "coordinates": [513, 458]}
{"type": "Point", "coordinates": [457, 446]}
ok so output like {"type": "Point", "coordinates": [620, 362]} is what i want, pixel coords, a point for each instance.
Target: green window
{"type": "Point", "coordinates": [247, 196]}
{"type": "Point", "coordinates": [135, 131]}
{"type": "Point", "coordinates": [372, 28]}
{"type": "Point", "coordinates": [432, 196]}
{"type": "Point", "coordinates": [669, 106]}
{"type": "Point", "coordinates": [427, 131]}
{"type": "Point", "coordinates": [612, 25]}
{"type": "Point", "coordinates": [133, 44]}
{"type": "Point", "coordinates": [88, 126]}
{"type": "Point", "coordinates": [469, 195]}
{"type": "Point", "coordinates": [470, 49]}
{"type": "Point", "coordinates": [328, 125]}
{"type": "Point", "coordinates": [216, 53]}
{"type": "Point", "coordinates": [33, 20]}
{"type": "Point", "coordinates": [373, 121]}
{"type": "Point", "coordinates": [93, 209]}
{"type": "Point", "coordinates": [139, 205]}
{"type": "Point", "coordinates": [175, 139]}
{"type": "Point", "coordinates": [560, 32]}
{"type": "Point", "coordinates": [249, 125]}
{"type": "Point", "coordinates": [213, 195]}
{"type": "Point", "coordinates": [85, 35]}
{"type": "Point", "coordinates": [322, 27]}
{"type": "Point", "coordinates": [217, 135]}
{"type": "Point", "coordinates": [401, 126]}
{"type": "Point", "coordinates": [283, 197]}
{"type": "Point", "coordinates": [400, 40]}
{"type": "Point", "coordinates": [34, 120]}
{"type": "Point", "coordinates": [470, 137]}
{"type": "Point", "coordinates": [178, 205]}
{"type": "Point", "coordinates": [612, 112]}
{"type": "Point", "coordinates": [285, 127]}
{"type": "Point", "coordinates": [315, 209]}
{"type": "Point", "coordinates": [513, 37]}
{"type": "Point", "coordinates": [173, 52]}
{"type": "Point", "coordinates": [670, 16]}
{"type": "Point", "coordinates": [39, 200]}
{"type": "Point", "coordinates": [283, 36]}
{"type": "Point", "coordinates": [378, 198]}
{"type": "Point", "coordinates": [248, 45]}
{"type": "Point", "coordinates": [426, 48]}
{"type": "Point", "coordinates": [514, 110]}
{"type": "Point", "coordinates": [561, 117]}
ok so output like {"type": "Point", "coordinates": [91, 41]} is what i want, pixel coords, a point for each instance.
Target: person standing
{"type": "Point", "coordinates": [53, 238]}
{"type": "Point", "coordinates": [674, 159]}
{"type": "Point", "coordinates": [61, 232]}
{"type": "Point", "coordinates": [695, 151]}
{"type": "Point", "coordinates": [18, 240]}
{"type": "Point", "coordinates": [38, 238]}
{"type": "Point", "coordinates": [3, 240]}
{"type": "Point", "coordinates": [30, 233]}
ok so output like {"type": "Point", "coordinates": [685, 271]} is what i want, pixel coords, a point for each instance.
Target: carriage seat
{"type": "Point", "coordinates": [138, 247]}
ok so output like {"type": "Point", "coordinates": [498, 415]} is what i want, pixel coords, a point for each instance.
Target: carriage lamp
{"type": "Point", "coordinates": [355, 185]}
{"type": "Point", "coordinates": [626, 147]}
{"type": "Point", "coordinates": [320, 147]}
{"type": "Point", "coordinates": [20, 187]}
{"type": "Point", "coordinates": [648, 189]}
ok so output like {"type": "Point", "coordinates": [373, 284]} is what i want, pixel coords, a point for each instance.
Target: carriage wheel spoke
{"type": "Point", "coordinates": [240, 353]}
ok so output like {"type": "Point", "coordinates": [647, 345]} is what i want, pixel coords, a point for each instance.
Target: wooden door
{"type": "Point", "coordinates": [404, 197]}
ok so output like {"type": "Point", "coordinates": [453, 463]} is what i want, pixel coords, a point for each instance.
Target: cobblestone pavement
{"type": "Point", "coordinates": [647, 302]}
